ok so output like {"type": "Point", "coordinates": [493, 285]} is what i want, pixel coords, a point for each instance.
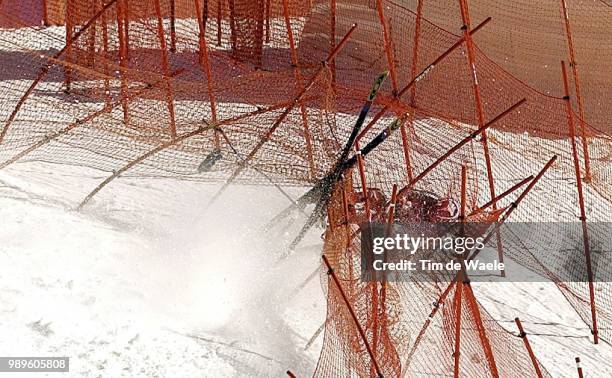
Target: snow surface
{"type": "Point", "coordinates": [146, 281]}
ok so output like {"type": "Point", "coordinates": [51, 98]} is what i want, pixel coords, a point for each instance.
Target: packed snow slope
{"type": "Point", "coordinates": [147, 281]}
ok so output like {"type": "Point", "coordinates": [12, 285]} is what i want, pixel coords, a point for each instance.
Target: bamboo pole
{"type": "Point", "coordinates": [532, 357]}
{"type": "Point", "coordinates": [415, 48]}
{"type": "Point", "coordinates": [471, 55]}
{"type": "Point", "coordinates": [336, 281]}
{"type": "Point", "coordinates": [573, 64]}
{"type": "Point", "coordinates": [205, 15]}
{"type": "Point", "coordinates": [583, 218]}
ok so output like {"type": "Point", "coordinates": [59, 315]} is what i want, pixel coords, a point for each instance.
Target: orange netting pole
{"type": "Point", "coordinates": [459, 284]}
{"type": "Point", "coordinates": [290, 374]}
{"type": "Point", "coordinates": [92, 40]}
{"type": "Point", "coordinates": [413, 73]}
{"type": "Point", "coordinates": [126, 27]}
{"type": "Point", "coordinates": [335, 279]}
{"type": "Point", "coordinates": [69, 30]}
{"type": "Point", "coordinates": [205, 14]}
{"type": "Point", "coordinates": [579, 368]}
{"type": "Point", "coordinates": [45, 70]}
{"type": "Point", "coordinates": [523, 335]}
{"type": "Point", "coordinates": [471, 55]}
{"type": "Point", "coordinates": [390, 219]}
{"type": "Point", "coordinates": [415, 48]}
{"type": "Point", "coordinates": [232, 20]}
{"type": "Point", "coordinates": [583, 218]}
{"type": "Point", "coordinates": [388, 47]}
{"type": "Point", "coordinates": [298, 78]}
{"type": "Point", "coordinates": [173, 26]}
{"type": "Point", "coordinates": [205, 61]}
{"type": "Point", "coordinates": [45, 13]}
{"type": "Point", "coordinates": [406, 149]}
{"type": "Point", "coordinates": [219, 31]}
{"type": "Point", "coordinates": [161, 35]}
{"type": "Point", "coordinates": [501, 196]}
{"type": "Point", "coordinates": [267, 5]}
{"type": "Point", "coordinates": [420, 76]}
{"type": "Point", "coordinates": [123, 47]}
{"type": "Point", "coordinates": [382, 323]}
{"type": "Point", "coordinates": [570, 44]}
{"type": "Point", "coordinates": [106, 68]}
{"type": "Point", "coordinates": [332, 42]}
{"type": "Point", "coordinates": [362, 177]}
{"type": "Point", "coordinates": [425, 326]}
{"type": "Point", "coordinates": [482, 333]}
{"type": "Point", "coordinates": [457, 304]}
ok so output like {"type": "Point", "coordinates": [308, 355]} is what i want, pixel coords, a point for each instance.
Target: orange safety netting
{"type": "Point", "coordinates": [271, 89]}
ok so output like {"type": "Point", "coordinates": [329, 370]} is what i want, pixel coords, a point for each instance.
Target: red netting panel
{"type": "Point", "coordinates": [405, 335]}
{"type": "Point", "coordinates": [94, 75]}
{"type": "Point", "coordinates": [529, 39]}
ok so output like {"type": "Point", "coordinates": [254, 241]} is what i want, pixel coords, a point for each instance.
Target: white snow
{"type": "Point", "coordinates": [146, 281]}
{"type": "Point", "coordinates": [120, 286]}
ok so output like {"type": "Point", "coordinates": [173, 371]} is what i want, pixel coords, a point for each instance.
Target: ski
{"type": "Point", "coordinates": [313, 196]}
{"type": "Point", "coordinates": [326, 185]}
